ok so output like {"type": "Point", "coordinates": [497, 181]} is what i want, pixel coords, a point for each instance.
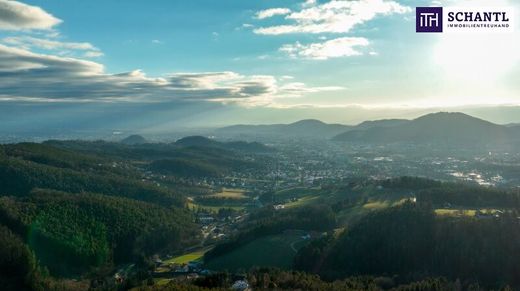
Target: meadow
{"type": "Point", "coordinates": [273, 250]}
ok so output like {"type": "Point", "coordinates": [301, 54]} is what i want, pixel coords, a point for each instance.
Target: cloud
{"type": "Point", "coordinates": [295, 89]}
{"type": "Point", "coordinates": [334, 17]}
{"type": "Point", "coordinates": [19, 16]}
{"type": "Point", "coordinates": [272, 12]}
{"type": "Point", "coordinates": [28, 42]}
{"type": "Point", "coordinates": [334, 48]}
{"type": "Point", "coordinates": [93, 54]}
{"type": "Point", "coordinates": [29, 76]}
{"type": "Point", "coordinates": [309, 3]}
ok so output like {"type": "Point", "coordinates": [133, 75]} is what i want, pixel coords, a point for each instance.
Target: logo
{"type": "Point", "coordinates": [464, 19]}
{"type": "Point", "coordinates": [428, 19]}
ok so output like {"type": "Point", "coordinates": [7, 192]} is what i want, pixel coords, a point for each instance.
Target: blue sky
{"type": "Point", "coordinates": [249, 61]}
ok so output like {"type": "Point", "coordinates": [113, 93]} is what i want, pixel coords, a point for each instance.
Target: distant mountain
{"type": "Point", "coordinates": [308, 128]}
{"type": "Point", "coordinates": [380, 123]}
{"type": "Point", "coordinates": [201, 141]}
{"type": "Point", "coordinates": [134, 139]}
{"type": "Point", "coordinates": [442, 127]}
{"type": "Point", "coordinates": [196, 140]}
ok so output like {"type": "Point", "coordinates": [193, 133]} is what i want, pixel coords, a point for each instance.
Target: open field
{"type": "Point", "coordinates": [463, 212]}
{"type": "Point", "coordinates": [352, 214]}
{"type": "Point", "coordinates": [302, 201]}
{"type": "Point", "coordinates": [212, 208]}
{"type": "Point", "coordinates": [274, 250]}
{"type": "Point", "coordinates": [375, 205]}
{"type": "Point", "coordinates": [298, 192]}
{"type": "Point", "coordinates": [455, 212]}
{"type": "Point", "coordinates": [185, 258]}
{"type": "Point", "coordinates": [162, 281]}
{"type": "Point", "coordinates": [230, 193]}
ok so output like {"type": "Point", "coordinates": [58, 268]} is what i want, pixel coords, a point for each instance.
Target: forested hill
{"type": "Point", "coordinates": [24, 167]}
{"type": "Point", "coordinates": [451, 128]}
{"type": "Point", "coordinates": [88, 205]}
{"type": "Point", "coordinates": [410, 241]}
{"type": "Point", "coordinates": [308, 128]}
{"type": "Point", "coordinates": [188, 157]}
{"type": "Point", "coordinates": [73, 207]}
{"type": "Point", "coordinates": [73, 232]}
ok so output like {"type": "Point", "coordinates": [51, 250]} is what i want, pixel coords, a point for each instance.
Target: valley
{"type": "Point", "coordinates": [212, 212]}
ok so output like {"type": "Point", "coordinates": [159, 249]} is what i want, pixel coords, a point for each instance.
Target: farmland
{"type": "Point", "coordinates": [185, 258]}
{"type": "Point", "coordinates": [230, 194]}
{"type": "Point", "coordinates": [274, 250]}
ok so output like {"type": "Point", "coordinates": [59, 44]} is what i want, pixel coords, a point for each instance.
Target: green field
{"type": "Point", "coordinates": [298, 192]}
{"type": "Point", "coordinates": [274, 250]}
{"type": "Point", "coordinates": [463, 212]}
{"type": "Point", "coordinates": [302, 201]}
{"type": "Point", "coordinates": [214, 209]}
{"type": "Point", "coordinates": [185, 258]}
{"type": "Point", "coordinates": [351, 215]}
{"type": "Point", "coordinates": [162, 281]}
{"type": "Point", "coordinates": [230, 193]}
{"type": "Point", "coordinates": [375, 205]}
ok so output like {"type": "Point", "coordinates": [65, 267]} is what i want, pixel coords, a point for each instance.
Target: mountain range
{"type": "Point", "coordinates": [442, 127]}
{"type": "Point", "coordinates": [453, 128]}
{"type": "Point", "coordinates": [303, 128]}
{"type": "Point", "coordinates": [201, 141]}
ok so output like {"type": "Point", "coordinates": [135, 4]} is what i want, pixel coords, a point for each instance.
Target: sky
{"type": "Point", "coordinates": [160, 64]}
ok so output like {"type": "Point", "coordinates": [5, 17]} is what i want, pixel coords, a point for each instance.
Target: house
{"type": "Point", "coordinates": [484, 215]}
{"type": "Point", "coordinates": [241, 285]}
{"type": "Point", "coordinates": [206, 219]}
{"type": "Point", "coordinates": [118, 278]}
{"type": "Point", "coordinates": [194, 266]}
{"type": "Point", "coordinates": [158, 262]}
{"type": "Point", "coordinates": [278, 206]}
{"type": "Point", "coordinates": [181, 269]}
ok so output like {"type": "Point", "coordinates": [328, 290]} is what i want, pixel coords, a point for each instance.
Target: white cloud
{"type": "Point", "coordinates": [93, 54]}
{"type": "Point", "coordinates": [15, 15]}
{"type": "Point", "coordinates": [29, 76]}
{"type": "Point", "coordinates": [272, 12]}
{"type": "Point", "coordinates": [298, 88]}
{"type": "Point", "coordinates": [27, 41]}
{"type": "Point", "coordinates": [62, 74]}
{"type": "Point", "coordinates": [64, 48]}
{"type": "Point", "coordinates": [337, 16]}
{"type": "Point", "coordinates": [309, 3]}
{"type": "Point", "coordinates": [334, 48]}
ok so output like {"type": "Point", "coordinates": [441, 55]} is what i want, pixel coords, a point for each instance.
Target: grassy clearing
{"type": "Point", "coordinates": [162, 281]}
{"type": "Point", "coordinates": [375, 205]}
{"type": "Point", "coordinates": [463, 212]}
{"type": "Point", "coordinates": [302, 201]}
{"type": "Point", "coordinates": [213, 209]}
{"type": "Point", "coordinates": [193, 256]}
{"type": "Point", "coordinates": [298, 192]}
{"type": "Point", "coordinates": [230, 193]}
{"type": "Point", "coordinates": [274, 251]}
{"type": "Point", "coordinates": [353, 214]}
{"type": "Point", "coordinates": [455, 212]}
